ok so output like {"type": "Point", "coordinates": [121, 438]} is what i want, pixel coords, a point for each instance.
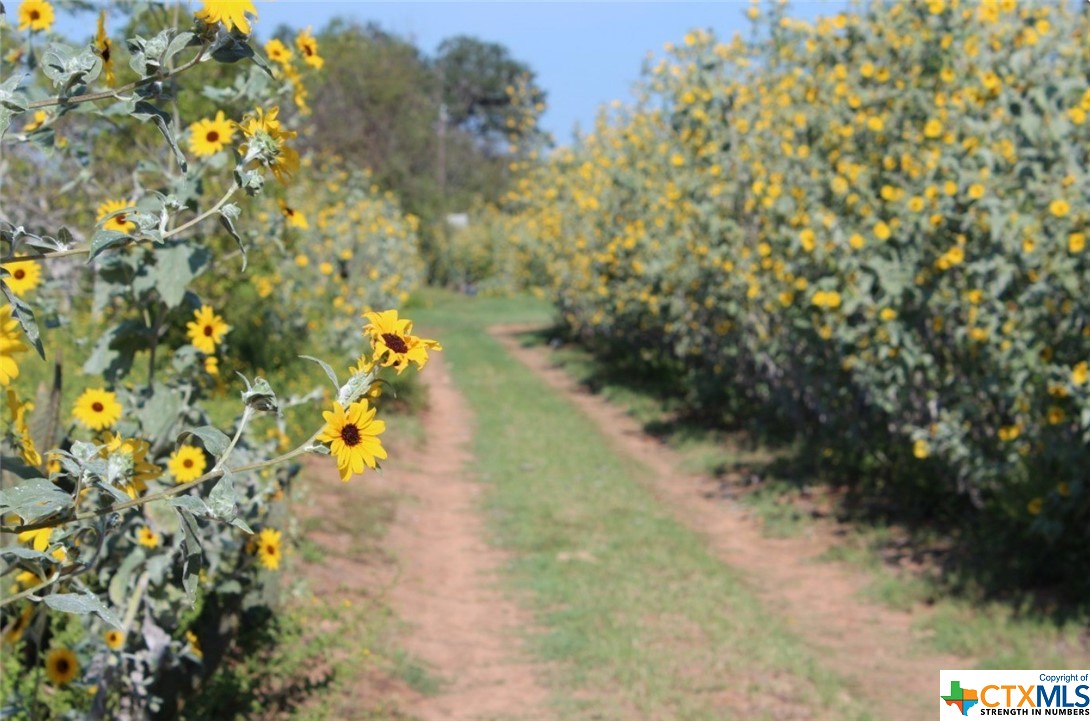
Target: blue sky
{"type": "Point", "coordinates": [584, 54]}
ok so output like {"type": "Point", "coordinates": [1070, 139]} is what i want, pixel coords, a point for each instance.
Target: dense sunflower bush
{"type": "Point", "coordinates": [872, 227]}
{"type": "Point", "coordinates": [138, 535]}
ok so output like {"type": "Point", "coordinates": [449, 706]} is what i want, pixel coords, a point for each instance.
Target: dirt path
{"type": "Point", "coordinates": [460, 625]}
{"type": "Point", "coordinates": [873, 647]}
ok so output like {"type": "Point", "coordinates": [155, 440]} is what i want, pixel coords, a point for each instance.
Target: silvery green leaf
{"type": "Point", "coordinates": [119, 582]}
{"type": "Point", "coordinates": [117, 493]}
{"type": "Point", "coordinates": [228, 223]}
{"type": "Point", "coordinates": [191, 542]}
{"type": "Point", "coordinates": [34, 499]}
{"type": "Point", "coordinates": [355, 388]}
{"type": "Point", "coordinates": [326, 367]}
{"type": "Point", "coordinates": [224, 502]}
{"type": "Point", "coordinates": [176, 265]}
{"type": "Point", "coordinates": [103, 239]}
{"type": "Point", "coordinates": [215, 441]}
{"type": "Point", "coordinates": [160, 413]}
{"type": "Point", "coordinates": [116, 348]}
{"type": "Point", "coordinates": [230, 49]}
{"type": "Point", "coordinates": [145, 111]}
{"type": "Point", "coordinates": [193, 505]}
{"type": "Point", "coordinates": [21, 311]}
{"type": "Point", "coordinates": [82, 604]}
{"type": "Point", "coordinates": [180, 42]}
{"type": "Point", "coordinates": [26, 554]}
{"type": "Point", "coordinates": [260, 396]}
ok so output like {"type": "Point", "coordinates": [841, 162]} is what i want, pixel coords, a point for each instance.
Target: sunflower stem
{"type": "Point", "coordinates": [90, 97]}
{"type": "Point", "coordinates": [247, 414]}
{"type": "Point", "coordinates": [306, 447]}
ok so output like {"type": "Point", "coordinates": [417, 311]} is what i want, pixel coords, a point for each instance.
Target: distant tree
{"type": "Point", "coordinates": [476, 78]}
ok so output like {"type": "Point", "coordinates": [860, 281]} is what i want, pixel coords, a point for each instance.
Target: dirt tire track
{"type": "Point", "coordinates": [462, 626]}
{"type": "Point", "coordinates": [874, 648]}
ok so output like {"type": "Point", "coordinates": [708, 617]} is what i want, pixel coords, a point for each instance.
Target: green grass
{"type": "Point", "coordinates": [638, 616]}
{"type": "Point", "coordinates": [1009, 633]}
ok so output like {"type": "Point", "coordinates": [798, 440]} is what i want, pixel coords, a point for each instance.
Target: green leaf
{"type": "Point", "coordinates": [194, 505]}
{"type": "Point", "coordinates": [260, 396]}
{"type": "Point", "coordinates": [160, 413]}
{"type": "Point", "coordinates": [354, 389]}
{"type": "Point", "coordinates": [145, 111]}
{"type": "Point", "coordinates": [34, 499]}
{"type": "Point", "coordinates": [115, 350]}
{"type": "Point", "coordinates": [21, 311]}
{"type": "Point", "coordinates": [227, 217]}
{"type": "Point", "coordinates": [120, 581]}
{"type": "Point", "coordinates": [326, 367]}
{"type": "Point", "coordinates": [215, 441]}
{"type": "Point", "coordinates": [191, 542]}
{"type": "Point", "coordinates": [176, 265]}
{"type": "Point", "coordinates": [224, 502]}
{"type": "Point", "coordinates": [103, 239]}
{"type": "Point", "coordinates": [10, 103]}
{"type": "Point", "coordinates": [82, 604]}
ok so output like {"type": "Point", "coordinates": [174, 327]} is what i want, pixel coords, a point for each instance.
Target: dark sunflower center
{"type": "Point", "coordinates": [188, 463]}
{"type": "Point", "coordinates": [35, 15]}
{"type": "Point", "coordinates": [208, 330]}
{"type": "Point", "coordinates": [350, 434]}
{"type": "Point", "coordinates": [395, 342]}
{"type": "Point", "coordinates": [19, 274]}
{"type": "Point", "coordinates": [97, 407]}
{"type": "Point", "coordinates": [120, 218]}
{"type": "Point", "coordinates": [308, 51]}
{"type": "Point", "coordinates": [105, 51]}
{"type": "Point", "coordinates": [212, 136]}
{"type": "Point", "coordinates": [270, 549]}
{"type": "Point", "coordinates": [62, 666]}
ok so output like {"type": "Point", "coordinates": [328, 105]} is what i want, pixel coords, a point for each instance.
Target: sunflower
{"type": "Point", "coordinates": [194, 644]}
{"type": "Point", "coordinates": [104, 49]}
{"type": "Point", "coordinates": [278, 51]}
{"type": "Point", "coordinates": [11, 342]}
{"type": "Point", "coordinates": [353, 437]}
{"type": "Point", "coordinates": [15, 631]}
{"type": "Point", "coordinates": [231, 13]}
{"type": "Point", "coordinates": [114, 639]}
{"type": "Point", "coordinates": [38, 539]}
{"type": "Point", "coordinates": [266, 142]}
{"type": "Point", "coordinates": [61, 666]}
{"type": "Point", "coordinates": [117, 222]}
{"type": "Point", "coordinates": [187, 464]}
{"type": "Point", "coordinates": [268, 548]}
{"type": "Point", "coordinates": [206, 329]}
{"type": "Point", "coordinates": [142, 470]}
{"type": "Point", "coordinates": [36, 15]}
{"type": "Point", "coordinates": [24, 276]}
{"type": "Point", "coordinates": [37, 121]}
{"type": "Point", "coordinates": [97, 408]}
{"type": "Point", "coordinates": [308, 48]}
{"type": "Point", "coordinates": [18, 410]}
{"type": "Point", "coordinates": [208, 136]}
{"type": "Point", "coordinates": [294, 217]}
{"type": "Point", "coordinates": [147, 537]}
{"type": "Point", "coordinates": [393, 342]}
{"type": "Point", "coordinates": [212, 365]}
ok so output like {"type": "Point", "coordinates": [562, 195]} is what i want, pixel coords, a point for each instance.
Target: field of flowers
{"type": "Point", "coordinates": [869, 230]}
{"type": "Point", "coordinates": [167, 243]}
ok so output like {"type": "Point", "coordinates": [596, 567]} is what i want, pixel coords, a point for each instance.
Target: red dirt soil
{"type": "Point", "coordinates": [462, 627]}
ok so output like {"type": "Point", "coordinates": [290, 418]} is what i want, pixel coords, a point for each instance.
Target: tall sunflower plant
{"type": "Point", "coordinates": [134, 524]}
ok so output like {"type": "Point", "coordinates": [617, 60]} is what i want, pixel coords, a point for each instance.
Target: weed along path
{"type": "Point", "coordinates": [873, 648]}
